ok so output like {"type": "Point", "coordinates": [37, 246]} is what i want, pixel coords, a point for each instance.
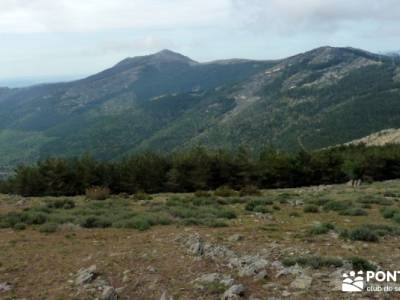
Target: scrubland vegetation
{"type": "Point", "coordinates": [226, 206]}
{"type": "Point", "coordinates": [312, 231]}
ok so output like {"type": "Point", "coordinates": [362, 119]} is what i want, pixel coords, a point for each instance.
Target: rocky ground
{"type": "Point", "coordinates": [284, 249]}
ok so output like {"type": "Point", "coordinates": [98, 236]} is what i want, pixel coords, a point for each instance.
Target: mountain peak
{"type": "Point", "coordinates": [167, 55]}
{"type": "Point", "coordinates": [161, 57]}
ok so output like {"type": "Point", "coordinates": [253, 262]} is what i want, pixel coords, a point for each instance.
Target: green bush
{"type": "Point", "coordinates": [310, 208]}
{"type": "Point", "coordinates": [363, 234]}
{"type": "Point", "coordinates": [141, 196]}
{"type": "Point", "coordinates": [319, 201]}
{"type": "Point", "coordinates": [354, 211]}
{"type": "Point", "coordinates": [371, 199]}
{"type": "Point", "coordinates": [202, 194]}
{"type": "Point", "coordinates": [389, 212]}
{"type": "Point", "coordinates": [225, 191]}
{"type": "Point", "coordinates": [95, 222]}
{"type": "Point", "coordinates": [139, 223]}
{"type": "Point", "coordinates": [250, 190]}
{"type": "Point", "coordinates": [396, 217]}
{"type": "Point", "coordinates": [276, 207]}
{"type": "Point", "coordinates": [258, 205]}
{"type": "Point", "coordinates": [48, 228]}
{"type": "Point", "coordinates": [322, 228]}
{"type": "Point", "coordinates": [361, 264]}
{"type": "Point", "coordinates": [337, 205]}
{"type": "Point", "coordinates": [20, 226]}
{"type": "Point", "coordinates": [316, 262]}
{"type": "Point", "coordinates": [294, 214]}
{"type": "Point", "coordinates": [61, 204]}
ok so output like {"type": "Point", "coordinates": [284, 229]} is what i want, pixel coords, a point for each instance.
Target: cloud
{"type": "Point", "coordinates": [296, 17]}
{"type": "Point", "coordinates": [22, 16]}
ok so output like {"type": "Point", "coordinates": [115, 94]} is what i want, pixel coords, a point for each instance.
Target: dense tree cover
{"type": "Point", "coordinates": [201, 169]}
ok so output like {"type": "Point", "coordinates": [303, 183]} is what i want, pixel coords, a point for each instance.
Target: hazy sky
{"type": "Point", "coordinates": [45, 38]}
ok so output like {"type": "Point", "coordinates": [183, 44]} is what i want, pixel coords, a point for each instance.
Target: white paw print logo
{"type": "Point", "coordinates": [352, 282]}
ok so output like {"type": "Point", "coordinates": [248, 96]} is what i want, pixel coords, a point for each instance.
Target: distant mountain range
{"type": "Point", "coordinates": [167, 101]}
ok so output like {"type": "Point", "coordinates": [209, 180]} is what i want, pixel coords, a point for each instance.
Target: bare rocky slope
{"type": "Point", "coordinates": [383, 137]}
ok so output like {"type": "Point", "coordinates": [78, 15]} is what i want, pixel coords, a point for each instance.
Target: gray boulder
{"type": "Point", "coordinates": [85, 276]}
{"type": "Point", "coordinates": [234, 292]}
{"type": "Point", "coordinates": [109, 293]}
{"type": "Point", "coordinates": [303, 282]}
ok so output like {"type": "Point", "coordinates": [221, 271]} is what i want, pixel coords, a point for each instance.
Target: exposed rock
{"type": "Point", "coordinates": [205, 279]}
{"type": "Point", "coordinates": [5, 286]}
{"type": "Point", "coordinates": [286, 293]}
{"type": "Point", "coordinates": [261, 275]}
{"type": "Point", "coordinates": [194, 243]}
{"type": "Point", "coordinates": [248, 265]}
{"type": "Point", "coordinates": [85, 276]}
{"type": "Point", "coordinates": [197, 246]}
{"type": "Point", "coordinates": [109, 293]}
{"type": "Point", "coordinates": [166, 296]}
{"type": "Point", "coordinates": [235, 237]}
{"type": "Point", "coordinates": [293, 270]}
{"type": "Point", "coordinates": [302, 282]}
{"type": "Point", "coordinates": [234, 292]}
{"type": "Point", "coordinates": [151, 269]}
{"type": "Point", "coordinates": [126, 277]}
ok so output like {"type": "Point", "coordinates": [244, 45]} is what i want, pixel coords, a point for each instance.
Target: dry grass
{"type": "Point", "coordinates": [30, 259]}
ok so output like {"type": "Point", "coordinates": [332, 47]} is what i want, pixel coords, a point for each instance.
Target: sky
{"type": "Point", "coordinates": [49, 40]}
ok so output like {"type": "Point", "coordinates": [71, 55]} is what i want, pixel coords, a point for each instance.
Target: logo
{"type": "Point", "coordinates": [353, 282]}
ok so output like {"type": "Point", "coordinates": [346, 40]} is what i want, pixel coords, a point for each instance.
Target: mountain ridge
{"type": "Point", "coordinates": [166, 101]}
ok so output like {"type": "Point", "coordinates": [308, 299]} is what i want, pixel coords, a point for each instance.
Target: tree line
{"type": "Point", "coordinates": [204, 169]}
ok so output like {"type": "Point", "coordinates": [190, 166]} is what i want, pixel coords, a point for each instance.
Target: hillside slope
{"type": "Point", "coordinates": [167, 101]}
{"type": "Point", "coordinates": [383, 137]}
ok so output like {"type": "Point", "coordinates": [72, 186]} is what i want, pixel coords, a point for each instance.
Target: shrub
{"type": "Point", "coordinates": [20, 226]}
{"type": "Point", "coordinates": [310, 208]}
{"type": "Point", "coordinates": [97, 193]}
{"type": "Point", "coordinates": [315, 262]}
{"type": "Point", "coordinates": [371, 199]}
{"type": "Point", "coordinates": [36, 218]}
{"type": "Point", "coordinates": [95, 222]}
{"type": "Point", "coordinates": [322, 228]}
{"type": "Point", "coordinates": [139, 222]}
{"type": "Point", "coordinates": [61, 203]}
{"type": "Point", "coordinates": [215, 223]}
{"type": "Point", "coordinates": [354, 211]}
{"type": "Point", "coordinates": [202, 201]}
{"type": "Point", "coordinates": [382, 230]}
{"type": "Point", "coordinates": [319, 201]}
{"type": "Point", "coordinates": [258, 205]}
{"type": "Point", "coordinates": [363, 234]}
{"type": "Point", "coordinates": [202, 194]}
{"type": "Point", "coordinates": [141, 196]}
{"type": "Point", "coordinates": [48, 228]}
{"type": "Point", "coordinates": [294, 214]}
{"type": "Point", "coordinates": [225, 191]}
{"type": "Point", "coordinates": [396, 217]}
{"type": "Point", "coordinates": [336, 205]}
{"type": "Point", "coordinates": [389, 212]}
{"type": "Point", "coordinates": [250, 190]}
{"type": "Point", "coordinates": [361, 264]}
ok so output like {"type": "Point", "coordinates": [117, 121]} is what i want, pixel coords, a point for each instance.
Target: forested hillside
{"type": "Point", "coordinates": [166, 101]}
